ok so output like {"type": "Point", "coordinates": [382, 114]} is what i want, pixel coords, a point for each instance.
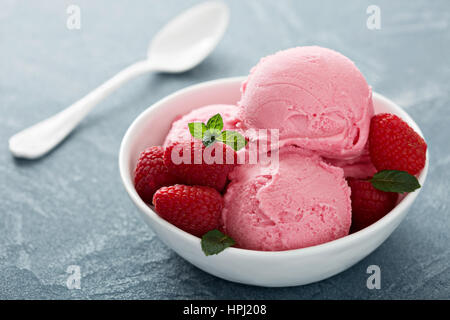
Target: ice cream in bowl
{"type": "Point", "coordinates": [282, 178]}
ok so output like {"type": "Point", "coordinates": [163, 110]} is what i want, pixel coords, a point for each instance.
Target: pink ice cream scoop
{"type": "Point", "coordinates": [301, 202]}
{"type": "Point", "coordinates": [180, 131]}
{"type": "Point", "coordinates": [316, 97]}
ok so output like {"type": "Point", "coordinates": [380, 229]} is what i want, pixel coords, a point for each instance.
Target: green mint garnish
{"type": "Point", "coordinates": [233, 139]}
{"type": "Point", "coordinates": [215, 122]}
{"type": "Point", "coordinates": [215, 241]}
{"type": "Point", "coordinates": [212, 132]}
{"type": "Point", "coordinates": [394, 181]}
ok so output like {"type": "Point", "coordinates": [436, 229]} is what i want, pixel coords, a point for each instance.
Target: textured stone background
{"type": "Point", "coordinates": [69, 208]}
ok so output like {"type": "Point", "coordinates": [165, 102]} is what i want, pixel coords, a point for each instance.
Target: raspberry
{"type": "Point", "coordinates": [394, 145]}
{"type": "Point", "coordinates": [194, 209]}
{"type": "Point", "coordinates": [368, 204]}
{"type": "Point", "coordinates": [197, 170]}
{"type": "Point", "coordinates": [151, 173]}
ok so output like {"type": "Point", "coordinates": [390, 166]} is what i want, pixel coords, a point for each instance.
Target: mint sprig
{"type": "Point", "coordinates": [394, 181]}
{"type": "Point", "coordinates": [214, 242]}
{"type": "Point", "coordinates": [212, 132]}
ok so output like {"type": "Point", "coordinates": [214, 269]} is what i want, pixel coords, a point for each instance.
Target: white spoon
{"type": "Point", "coordinates": [181, 45]}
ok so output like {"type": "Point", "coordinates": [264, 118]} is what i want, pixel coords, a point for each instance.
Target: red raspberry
{"type": "Point", "coordinates": [194, 209]}
{"type": "Point", "coordinates": [195, 171]}
{"type": "Point", "coordinates": [368, 204]}
{"type": "Point", "coordinates": [151, 173]}
{"type": "Point", "coordinates": [394, 145]}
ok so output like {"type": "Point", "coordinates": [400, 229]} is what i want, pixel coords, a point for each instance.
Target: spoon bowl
{"type": "Point", "coordinates": [189, 38]}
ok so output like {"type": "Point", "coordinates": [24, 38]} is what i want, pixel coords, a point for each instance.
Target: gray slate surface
{"type": "Point", "coordinates": [69, 208]}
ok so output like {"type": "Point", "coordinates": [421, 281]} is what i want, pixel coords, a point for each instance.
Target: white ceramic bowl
{"type": "Point", "coordinates": [272, 269]}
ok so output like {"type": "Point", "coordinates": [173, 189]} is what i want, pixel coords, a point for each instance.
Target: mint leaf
{"type": "Point", "coordinates": [215, 122]}
{"type": "Point", "coordinates": [197, 129]}
{"type": "Point", "coordinates": [234, 139]}
{"type": "Point", "coordinates": [215, 241]}
{"type": "Point", "coordinates": [394, 181]}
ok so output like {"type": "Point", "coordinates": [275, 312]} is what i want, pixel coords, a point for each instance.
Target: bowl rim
{"type": "Point", "coordinates": [337, 244]}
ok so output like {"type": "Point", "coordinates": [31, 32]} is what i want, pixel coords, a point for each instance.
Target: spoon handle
{"type": "Point", "coordinates": [42, 137]}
